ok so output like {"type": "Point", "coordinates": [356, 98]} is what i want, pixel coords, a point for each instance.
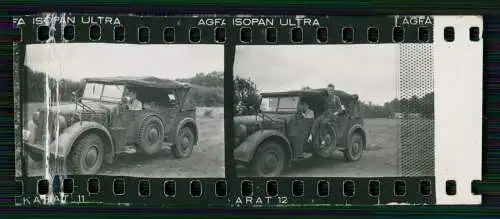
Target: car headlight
{"type": "Point", "coordinates": [62, 123]}
{"type": "Point", "coordinates": [241, 130]}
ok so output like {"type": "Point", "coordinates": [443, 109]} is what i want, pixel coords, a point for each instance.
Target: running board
{"type": "Point", "coordinates": [132, 149]}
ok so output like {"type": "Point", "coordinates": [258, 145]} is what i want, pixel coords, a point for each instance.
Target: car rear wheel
{"type": "Point", "coordinates": [354, 148]}
{"type": "Point", "coordinates": [184, 143]}
{"type": "Point", "coordinates": [87, 155]}
{"type": "Point", "coordinates": [150, 134]}
{"type": "Point", "coordinates": [269, 160]}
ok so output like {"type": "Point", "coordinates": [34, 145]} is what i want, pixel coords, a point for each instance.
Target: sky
{"type": "Point", "coordinates": [80, 60]}
{"type": "Point", "coordinates": [371, 71]}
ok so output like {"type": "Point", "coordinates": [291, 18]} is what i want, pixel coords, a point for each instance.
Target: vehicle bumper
{"type": "Point", "coordinates": [38, 148]}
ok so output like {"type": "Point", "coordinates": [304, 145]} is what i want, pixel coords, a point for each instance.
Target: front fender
{"type": "Point", "coordinates": [190, 122]}
{"type": "Point", "coordinates": [246, 150]}
{"type": "Point", "coordinates": [70, 135]}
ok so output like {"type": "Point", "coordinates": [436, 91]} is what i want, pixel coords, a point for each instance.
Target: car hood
{"type": "Point", "coordinates": [98, 112]}
{"type": "Point", "coordinates": [69, 108]}
{"type": "Point", "coordinates": [252, 119]}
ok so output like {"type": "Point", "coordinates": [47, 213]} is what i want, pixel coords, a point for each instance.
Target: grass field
{"type": "Point", "coordinates": [379, 159]}
{"type": "Point", "coordinates": [207, 159]}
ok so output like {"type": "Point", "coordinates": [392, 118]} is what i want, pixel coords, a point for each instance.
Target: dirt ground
{"type": "Point", "coordinates": [207, 159]}
{"type": "Point", "coordinates": [379, 160]}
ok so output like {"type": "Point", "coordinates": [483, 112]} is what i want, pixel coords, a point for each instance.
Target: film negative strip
{"type": "Point", "coordinates": [248, 111]}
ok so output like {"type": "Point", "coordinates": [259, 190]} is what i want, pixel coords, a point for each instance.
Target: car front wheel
{"type": "Point", "coordinates": [269, 160]}
{"type": "Point", "coordinates": [87, 155]}
{"type": "Point", "coordinates": [354, 149]}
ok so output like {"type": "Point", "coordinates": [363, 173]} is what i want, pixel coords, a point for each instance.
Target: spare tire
{"type": "Point", "coordinates": [328, 136]}
{"type": "Point", "coordinates": [150, 133]}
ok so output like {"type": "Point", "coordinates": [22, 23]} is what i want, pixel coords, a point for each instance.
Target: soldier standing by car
{"type": "Point", "coordinates": [333, 106]}
{"type": "Point", "coordinates": [305, 112]}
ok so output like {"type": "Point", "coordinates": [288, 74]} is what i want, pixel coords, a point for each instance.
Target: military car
{"type": "Point", "coordinates": [266, 142]}
{"type": "Point", "coordinates": [112, 116]}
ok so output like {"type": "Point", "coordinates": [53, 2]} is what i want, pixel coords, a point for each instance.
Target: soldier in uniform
{"type": "Point", "coordinates": [132, 102]}
{"type": "Point", "coordinates": [333, 107]}
{"type": "Point", "coordinates": [305, 112]}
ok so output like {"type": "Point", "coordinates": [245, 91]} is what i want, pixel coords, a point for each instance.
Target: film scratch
{"type": "Point", "coordinates": [247, 110]}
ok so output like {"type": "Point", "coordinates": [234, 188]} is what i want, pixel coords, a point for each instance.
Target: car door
{"type": "Point", "coordinates": [124, 126]}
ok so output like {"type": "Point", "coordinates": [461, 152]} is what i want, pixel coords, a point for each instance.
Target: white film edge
{"type": "Point", "coordinates": [458, 70]}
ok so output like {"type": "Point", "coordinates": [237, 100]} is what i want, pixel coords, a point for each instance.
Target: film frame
{"type": "Point", "coordinates": [250, 191]}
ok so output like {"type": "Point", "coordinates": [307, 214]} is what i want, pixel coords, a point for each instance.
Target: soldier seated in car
{"type": "Point", "coordinates": [305, 110]}
{"type": "Point", "coordinates": [132, 102]}
{"type": "Point", "coordinates": [333, 107]}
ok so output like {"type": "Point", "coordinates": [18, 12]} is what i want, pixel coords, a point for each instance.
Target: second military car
{"type": "Point", "coordinates": [266, 142]}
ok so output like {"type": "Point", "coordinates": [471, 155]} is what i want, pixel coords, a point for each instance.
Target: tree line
{"type": "Point", "coordinates": [247, 101]}
{"type": "Point", "coordinates": [207, 89]}
{"type": "Point", "coordinates": [413, 106]}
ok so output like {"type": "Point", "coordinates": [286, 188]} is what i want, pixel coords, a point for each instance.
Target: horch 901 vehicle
{"type": "Point", "coordinates": [266, 142]}
{"type": "Point", "coordinates": [112, 116]}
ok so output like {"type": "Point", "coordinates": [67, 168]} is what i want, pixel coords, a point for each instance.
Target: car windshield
{"type": "Point", "coordinates": [104, 92]}
{"type": "Point", "coordinates": [93, 91]}
{"type": "Point", "coordinates": [279, 104]}
{"type": "Point", "coordinates": [112, 92]}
